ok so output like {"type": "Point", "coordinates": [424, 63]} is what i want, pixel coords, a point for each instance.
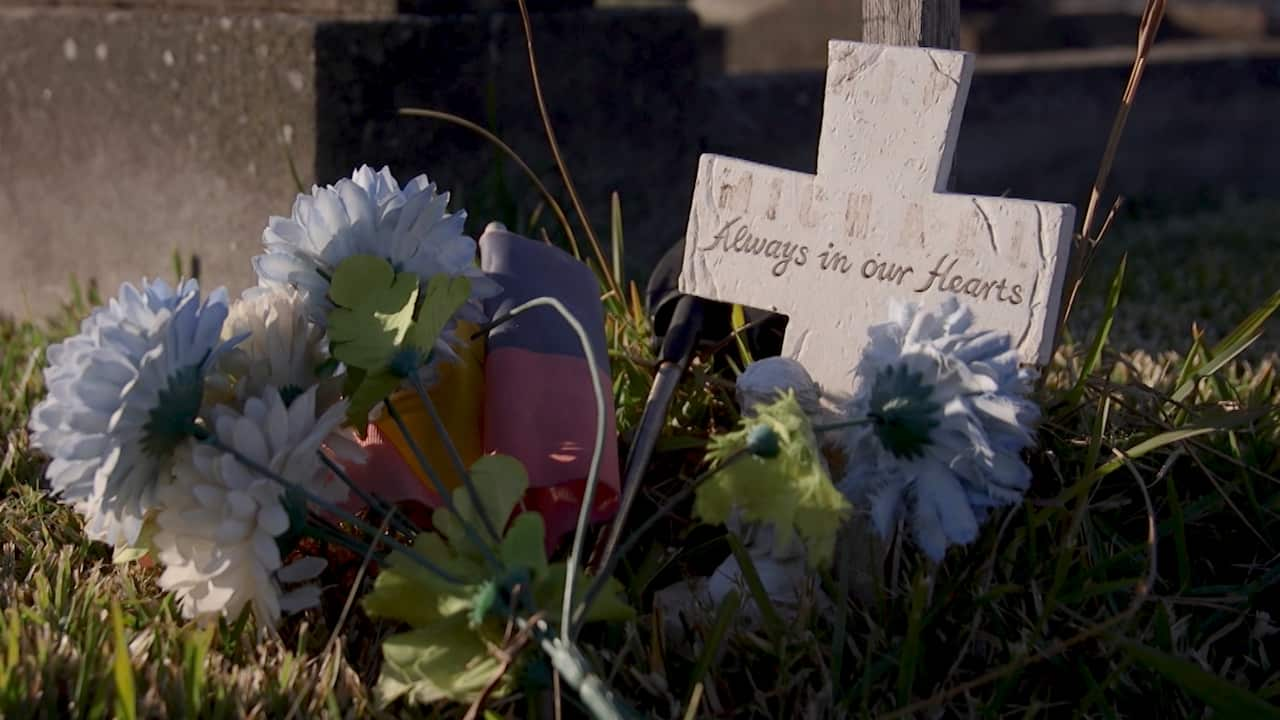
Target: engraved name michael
{"type": "Point", "coordinates": [946, 276]}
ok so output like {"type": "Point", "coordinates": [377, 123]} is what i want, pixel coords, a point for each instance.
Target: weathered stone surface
{"type": "Point", "coordinates": [833, 250]}
{"type": "Point", "coordinates": [322, 8]}
{"type": "Point", "coordinates": [452, 7]}
{"type": "Point", "coordinates": [128, 136]}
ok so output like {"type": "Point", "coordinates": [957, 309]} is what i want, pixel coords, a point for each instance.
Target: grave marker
{"type": "Point", "coordinates": [830, 250]}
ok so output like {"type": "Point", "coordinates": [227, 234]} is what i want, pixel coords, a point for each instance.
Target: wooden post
{"type": "Point", "coordinates": [924, 23]}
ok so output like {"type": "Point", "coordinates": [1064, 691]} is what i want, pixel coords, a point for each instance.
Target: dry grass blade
{"type": "Point", "coordinates": [555, 151]}
{"type": "Point", "coordinates": [332, 646]}
{"type": "Point", "coordinates": [1148, 26]}
{"type": "Point", "coordinates": [509, 152]}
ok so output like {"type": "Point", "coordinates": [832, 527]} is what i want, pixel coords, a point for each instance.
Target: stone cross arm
{"type": "Point", "coordinates": [832, 250]}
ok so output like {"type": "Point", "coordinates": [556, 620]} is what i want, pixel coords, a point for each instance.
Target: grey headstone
{"type": "Point", "coordinates": [126, 136]}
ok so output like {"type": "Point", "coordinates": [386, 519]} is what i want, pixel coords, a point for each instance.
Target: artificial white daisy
{"type": "Point", "coordinates": [948, 417]}
{"type": "Point", "coordinates": [282, 348]}
{"type": "Point", "coordinates": [370, 214]}
{"type": "Point", "coordinates": [216, 532]}
{"type": "Point", "coordinates": [123, 394]}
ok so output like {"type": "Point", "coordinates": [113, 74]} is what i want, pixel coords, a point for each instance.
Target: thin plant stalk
{"type": "Point", "coordinates": [320, 530]}
{"type": "Point", "coordinates": [332, 645]}
{"type": "Point", "coordinates": [598, 583]}
{"type": "Point", "coordinates": [593, 472]}
{"type": "Point", "coordinates": [458, 466]}
{"type": "Point", "coordinates": [392, 543]}
{"type": "Point", "coordinates": [574, 669]}
{"type": "Point", "coordinates": [559, 158]}
{"type": "Point", "coordinates": [446, 498]}
{"type": "Point", "coordinates": [384, 508]}
{"type": "Point", "coordinates": [842, 425]}
{"type": "Point", "coordinates": [506, 149]}
{"type": "Point", "coordinates": [1148, 27]}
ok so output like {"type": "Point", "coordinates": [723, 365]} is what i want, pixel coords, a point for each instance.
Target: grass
{"type": "Point", "coordinates": [1123, 586]}
{"type": "Point", "coordinates": [1137, 579]}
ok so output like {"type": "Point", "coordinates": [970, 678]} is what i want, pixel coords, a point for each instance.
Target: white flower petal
{"type": "Point", "coordinates": [368, 214]}
{"type": "Point", "coordinates": [972, 460]}
{"type": "Point", "coordinates": [301, 570]}
{"type": "Point", "coordinates": [104, 387]}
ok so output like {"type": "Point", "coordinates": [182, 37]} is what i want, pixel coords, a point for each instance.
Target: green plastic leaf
{"type": "Point", "coordinates": [407, 592]}
{"type": "Point", "coordinates": [374, 312]}
{"type": "Point", "coordinates": [126, 554]}
{"type": "Point", "coordinates": [609, 606]}
{"type": "Point", "coordinates": [447, 654]}
{"type": "Point", "coordinates": [793, 491]}
{"type": "Point", "coordinates": [446, 659]}
{"type": "Point", "coordinates": [364, 391]}
{"type": "Point", "coordinates": [524, 544]}
{"type": "Point", "coordinates": [443, 297]}
{"type": "Point", "coordinates": [500, 481]}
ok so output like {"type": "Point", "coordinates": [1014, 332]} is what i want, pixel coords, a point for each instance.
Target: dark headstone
{"type": "Point", "coordinates": [622, 88]}
{"type": "Point", "coordinates": [456, 7]}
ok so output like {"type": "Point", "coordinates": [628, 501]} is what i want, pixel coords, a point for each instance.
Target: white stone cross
{"type": "Point", "coordinates": [830, 250]}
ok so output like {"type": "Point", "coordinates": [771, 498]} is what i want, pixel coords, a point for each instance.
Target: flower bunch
{"type": "Point", "coordinates": [939, 422]}
{"type": "Point", "coordinates": [211, 435]}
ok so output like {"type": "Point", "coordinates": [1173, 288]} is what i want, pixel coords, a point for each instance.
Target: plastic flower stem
{"type": "Point", "coordinates": [593, 472]}
{"type": "Point", "coordinates": [832, 427]}
{"type": "Point", "coordinates": [454, 457]}
{"type": "Point", "coordinates": [576, 672]}
{"type": "Point", "coordinates": [325, 505]}
{"type": "Point", "coordinates": [320, 530]}
{"type": "Point", "coordinates": [598, 583]}
{"type": "Point", "coordinates": [445, 496]}
{"type": "Point", "coordinates": [384, 508]}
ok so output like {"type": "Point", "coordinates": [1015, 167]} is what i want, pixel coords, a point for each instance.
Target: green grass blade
{"type": "Point", "coordinates": [1245, 334]}
{"type": "Point", "coordinates": [738, 317]}
{"type": "Point", "coordinates": [1227, 698]}
{"type": "Point", "coordinates": [772, 620]}
{"type": "Point", "coordinates": [725, 616]}
{"type": "Point", "coordinates": [122, 668]}
{"type": "Point", "coordinates": [1094, 356]}
{"type": "Point", "coordinates": [841, 625]}
{"type": "Point", "coordinates": [1212, 423]}
{"type": "Point", "coordinates": [1178, 519]}
{"type": "Point", "coordinates": [195, 648]}
{"type": "Point", "coordinates": [909, 660]}
{"type": "Point", "coordinates": [616, 238]}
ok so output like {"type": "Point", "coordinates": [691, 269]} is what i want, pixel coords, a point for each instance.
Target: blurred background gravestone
{"type": "Point", "coordinates": [131, 130]}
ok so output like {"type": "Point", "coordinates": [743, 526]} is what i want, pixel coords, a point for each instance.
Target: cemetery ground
{"type": "Point", "coordinates": [1139, 578]}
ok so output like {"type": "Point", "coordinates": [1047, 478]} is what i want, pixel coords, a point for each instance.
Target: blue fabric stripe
{"type": "Point", "coordinates": [527, 269]}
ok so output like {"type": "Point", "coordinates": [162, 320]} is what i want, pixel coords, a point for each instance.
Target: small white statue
{"type": "Point", "coordinates": [781, 566]}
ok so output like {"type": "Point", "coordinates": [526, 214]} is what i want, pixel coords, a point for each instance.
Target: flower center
{"type": "Point", "coordinates": [173, 419]}
{"type": "Point", "coordinates": [289, 393]}
{"type": "Point", "coordinates": [902, 411]}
